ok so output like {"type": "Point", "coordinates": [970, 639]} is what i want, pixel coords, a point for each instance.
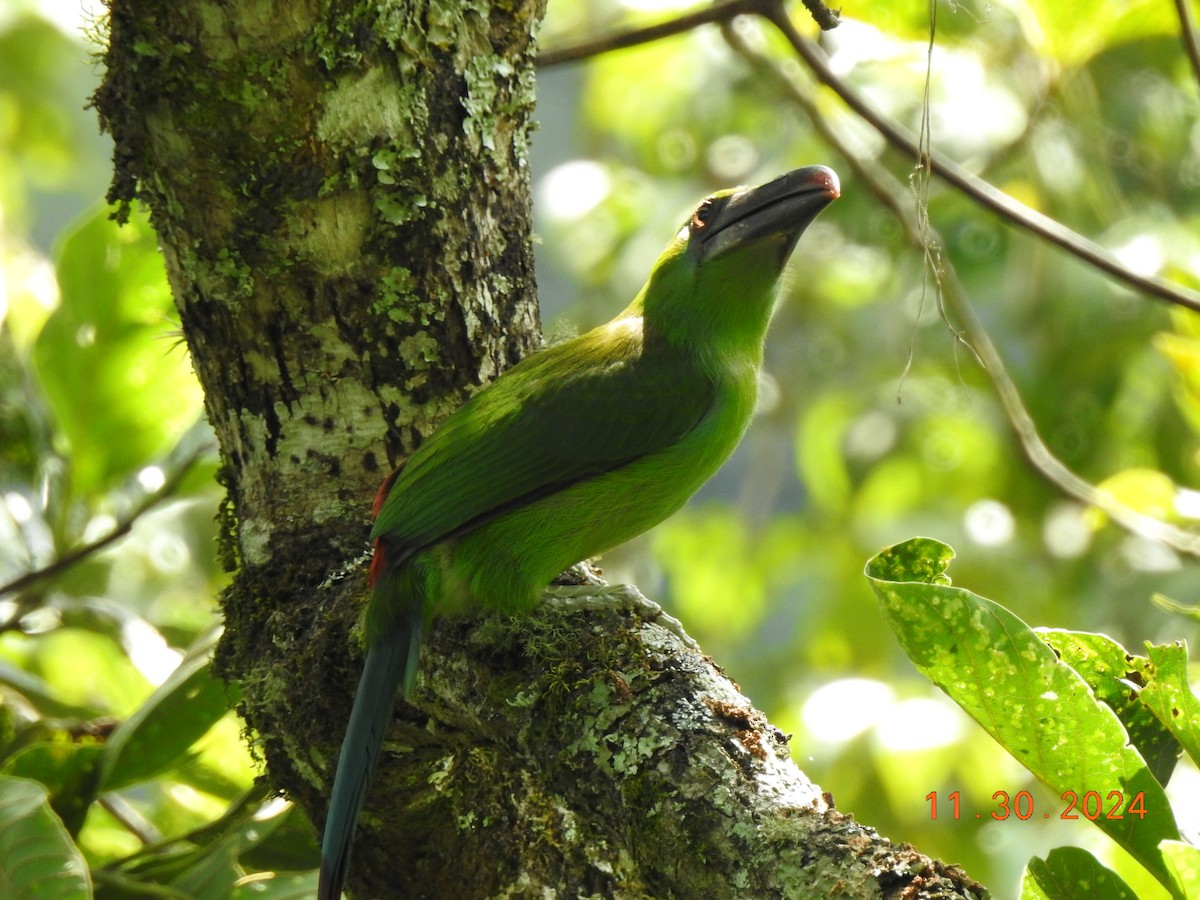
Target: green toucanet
{"type": "Point", "coordinates": [573, 451]}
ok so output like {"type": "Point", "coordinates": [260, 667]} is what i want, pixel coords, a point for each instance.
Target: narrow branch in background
{"type": "Point", "coordinates": [1041, 456]}
{"type": "Point", "coordinates": [825, 17]}
{"type": "Point", "coordinates": [133, 821]}
{"type": "Point", "coordinates": [156, 848]}
{"type": "Point", "coordinates": [927, 242]}
{"type": "Point", "coordinates": [1187, 33]}
{"type": "Point", "coordinates": [621, 40]}
{"type": "Point", "coordinates": [979, 190]}
{"type": "Point", "coordinates": [78, 554]}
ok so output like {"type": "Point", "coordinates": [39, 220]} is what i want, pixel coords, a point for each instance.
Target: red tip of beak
{"type": "Point", "coordinates": [827, 179]}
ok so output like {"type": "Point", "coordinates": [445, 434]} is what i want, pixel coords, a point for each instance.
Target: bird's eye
{"type": "Point", "coordinates": [703, 213]}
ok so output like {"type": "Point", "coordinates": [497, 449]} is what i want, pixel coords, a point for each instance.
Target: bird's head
{"type": "Point", "coordinates": [768, 219]}
{"type": "Point", "coordinates": [720, 271]}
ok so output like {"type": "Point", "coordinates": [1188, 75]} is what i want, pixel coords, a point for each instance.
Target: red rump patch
{"type": "Point", "coordinates": [377, 561]}
{"type": "Point", "coordinates": [382, 495]}
{"type": "Point", "coordinates": [377, 564]}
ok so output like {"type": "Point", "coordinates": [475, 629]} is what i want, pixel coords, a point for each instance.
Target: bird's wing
{"type": "Point", "coordinates": [571, 412]}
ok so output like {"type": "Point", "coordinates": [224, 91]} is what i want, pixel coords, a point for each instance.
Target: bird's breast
{"type": "Point", "coordinates": [506, 563]}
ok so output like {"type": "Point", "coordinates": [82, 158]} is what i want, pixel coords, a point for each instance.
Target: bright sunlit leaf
{"type": "Point", "coordinates": [1015, 686]}
{"type": "Point", "coordinates": [121, 389]}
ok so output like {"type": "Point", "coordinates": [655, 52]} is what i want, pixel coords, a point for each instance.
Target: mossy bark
{"type": "Point", "coordinates": [341, 192]}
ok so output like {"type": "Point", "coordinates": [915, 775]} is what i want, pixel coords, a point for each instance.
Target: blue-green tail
{"type": "Point", "coordinates": [391, 658]}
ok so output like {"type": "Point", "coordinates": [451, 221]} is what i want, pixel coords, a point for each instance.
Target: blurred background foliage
{"type": "Point", "coordinates": [876, 423]}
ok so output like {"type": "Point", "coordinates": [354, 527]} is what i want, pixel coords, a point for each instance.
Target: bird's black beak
{"type": "Point", "coordinates": [780, 208]}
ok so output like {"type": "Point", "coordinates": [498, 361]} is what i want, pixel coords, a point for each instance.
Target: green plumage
{"type": "Point", "coordinates": [572, 452]}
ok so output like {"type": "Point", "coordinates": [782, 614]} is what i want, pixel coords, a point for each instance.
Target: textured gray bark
{"type": "Point", "coordinates": [342, 196]}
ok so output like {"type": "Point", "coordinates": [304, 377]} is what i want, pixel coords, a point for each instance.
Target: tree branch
{"type": "Point", "coordinates": [1187, 33]}
{"type": "Point", "coordinates": [924, 238]}
{"type": "Point", "coordinates": [621, 40]}
{"type": "Point", "coordinates": [718, 12]}
{"type": "Point", "coordinates": [78, 554]}
{"type": "Point", "coordinates": [974, 187]}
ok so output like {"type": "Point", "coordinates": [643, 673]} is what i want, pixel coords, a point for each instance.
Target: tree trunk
{"type": "Point", "coordinates": [341, 193]}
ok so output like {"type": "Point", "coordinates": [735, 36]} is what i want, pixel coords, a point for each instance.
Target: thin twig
{"type": "Point", "coordinates": [1187, 33]}
{"type": "Point", "coordinates": [83, 551]}
{"type": "Point", "coordinates": [1041, 456]}
{"type": "Point", "coordinates": [125, 813]}
{"type": "Point", "coordinates": [926, 241]}
{"type": "Point", "coordinates": [234, 817]}
{"type": "Point", "coordinates": [979, 190]}
{"type": "Point", "coordinates": [621, 40]}
{"type": "Point", "coordinates": [825, 17]}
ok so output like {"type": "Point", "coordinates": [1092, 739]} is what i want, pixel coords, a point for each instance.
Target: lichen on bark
{"type": "Point", "coordinates": [341, 192]}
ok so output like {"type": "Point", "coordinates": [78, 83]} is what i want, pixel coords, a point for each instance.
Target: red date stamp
{"type": "Point", "coordinates": [1091, 805]}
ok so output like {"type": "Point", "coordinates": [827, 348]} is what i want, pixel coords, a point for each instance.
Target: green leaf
{"type": "Point", "coordinates": [1068, 873]}
{"type": "Point", "coordinates": [1168, 695]}
{"type": "Point", "coordinates": [276, 886]}
{"type": "Point", "coordinates": [1073, 32]}
{"type": "Point", "coordinates": [820, 451]}
{"type": "Point", "coordinates": [212, 875]}
{"type": "Point", "coordinates": [66, 769]}
{"type": "Point", "coordinates": [39, 694]}
{"type": "Point", "coordinates": [176, 715]}
{"type": "Point", "coordinates": [291, 845]}
{"type": "Point", "coordinates": [37, 857]}
{"type": "Point", "coordinates": [920, 560]}
{"type": "Point", "coordinates": [1108, 670]}
{"type": "Point", "coordinates": [710, 555]}
{"type": "Point", "coordinates": [1147, 491]}
{"type": "Point", "coordinates": [113, 687]}
{"type": "Point", "coordinates": [122, 393]}
{"type": "Point", "coordinates": [215, 871]}
{"type": "Point", "coordinates": [1184, 860]}
{"type": "Point", "coordinates": [47, 141]}
{"type": "Point", "coordinates": [1037, 707]}
{"type": "Point", "coordinates": [171, 860]}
